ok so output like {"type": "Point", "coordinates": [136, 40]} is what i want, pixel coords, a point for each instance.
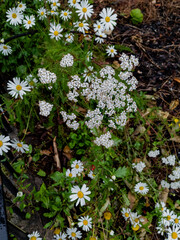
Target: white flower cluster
{"type": "Point", "coordinates": [45, 108]}
{"type": "Point", "coordinates": [139, 166]}
{"type": "Point", "coordinates": [169, 222]}
{"type": "Point", "coordinates": [129, 79]}
{"type": "Point", "coordinates": [95, 118]}
{"type": "Point", "coordinates": [153, 154]}
{"type": "Point", "coordinates": [128, 63]}
{"type": "Point", "coordinates": [46, 76]}
{"type": "Point", "coordinates": [67, 61]}
{"type": "Point", "coordinates": [170, 160]}
{"type": "Point", "coordinates": [70, 120]}
{"type": "Point", "coordinates": [104, 140]}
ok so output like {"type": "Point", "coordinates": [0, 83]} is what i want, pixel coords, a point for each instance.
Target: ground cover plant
{"type": "Point", "coordinates": [104, 154]}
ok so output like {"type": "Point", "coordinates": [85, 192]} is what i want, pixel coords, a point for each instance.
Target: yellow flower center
{"type": "Point", "coordinates": [69, 37]}
{"type": "Point", "coordinates": [81, 24]}
{"type": "Point", "coordinates": [141, 188]}
{"type": "Point", "coordinates": [80, 194]}
{"type": "Point", "coordinates": [174, 235]}
{"type": "Point", "coordinates": [57, 231]}
{"type": "Point", "coordinates": [112, 50]}
{"type": "Point", "coordinates": [107, 215]}
{"type": "Point", "coordinates": [77, 166]}
{"type": "Point", "coordinates": [14, 15]}
{"type": "Point", "coordinates": [100, 35]}
{"type": "Point", "coordinates": [56, 33]}
{"type": "Point", "coordinates": [84, 10]}
{"type": "Point", "coordinates": [85, 222]}
{"type": "Point", "coordinates": [162, 209]}
{"type": "Point", "coordinates": [136, 220]}
{"type": "Point", "coordinates": [31, 83]}
{"type": "Point", "coordinates": [74, 1]}
{"type": "Point", "coordinates": [18, 87]}
{"type": "Point", "coordinates": [65, 14]}
{"type": "Point", "coordinates": [19, 144]}
{"type": "Point", "coordinates": [5, 47]}
{"type": "Point", "coordinates": [73, 234]}
{"type": "Point", "coordinates": [33, 238]}
{"type": "Point", "coordinates": [168, 217]}
{"type": "Point", "coordinates": [176, 220]}
{"type": "Point", "coordinates": [92, 238]}
{"type": "Point", "coordinates": [99, 26]}
{"type": "Point", "coordinates": [136, 228]}
{"type": "Point", "coordinates": [126, 214]}
{"type": "Point", "coordinates": [52, 11]}
{"type": "Point", "coordinates": [54, 4]}
{"type": "Point", "coordinates": [20, 5]}
{"type": "Point", "coordinates": [107, 19]}
{"type": "Point", "coordinates": [1, 143]}
{"type": "Point", "coordinates": [60, 238]}
{"type": "Point", "coordinates": [70, 175]}
{"type": "Point", "coordinates": [29, 22]}
{"type": "Point", "coordinates": [42, 13]}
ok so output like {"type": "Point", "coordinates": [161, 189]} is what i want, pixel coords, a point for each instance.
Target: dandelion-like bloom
{"type": "Point", "coordinates": [17, 88]}
{"type": "Point", "coordinates": [55, 31]}
{"type": "Point", "coordinates": [141, 188]}
{"type": "Point", "coordinates": [111, 51]}
{"type": "Point", "coordinates": [14, 17]}
{"type": "Point", "coordinates": [5, 49]}
{"type": "Point", "coordinates": [73, 233]}
{"type": "Point", "coordinates": [80, 194]}
{"type": "Point", "coordinates": [84, 9]}
{"type": "Point", "coordinates": [4, 144]}
{"type": "Point", "coordinates": [29, 21]}
{"type": "Point", "coordinates": [20, 146]}
{"type": "Point", "coordinates": [85, 223]}
{"type": "Point", "coordinates": [34, 236]}
{"type": "Point", "coordinates": [82, 26]}
{"type": "Point", "coordinates": [108, 18]}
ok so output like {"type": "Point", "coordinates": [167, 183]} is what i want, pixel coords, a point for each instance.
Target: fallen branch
{"type": "Point", "coordinates": [56, 155]}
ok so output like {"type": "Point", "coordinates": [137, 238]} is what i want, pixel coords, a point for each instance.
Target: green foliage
{"type": "Point", "coordinates": [136, 16]}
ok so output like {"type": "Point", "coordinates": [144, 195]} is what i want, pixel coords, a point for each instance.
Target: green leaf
{"type": "Point", "coordinates": [28, 216]}
{"type": "Point", "coordinates": [48, 224]}
{"type": "Point", "coordinates": [122, 172]}
{"type": "Point", "coordinates": [49, 215]}
{"type": "Point", "coordinates": [41, 173]}
{"type": "Point", "coordinates": [57, 176]}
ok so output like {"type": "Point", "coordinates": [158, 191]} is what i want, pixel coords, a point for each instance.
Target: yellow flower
{"type": "Point", "coordinates": [107, 215]}
{"type": "Point", "coordinates": [57, 231]}
{"type": "Point", "coordinates": [176, 120]}
{"type": "Point", "coordinates": [136, 228]}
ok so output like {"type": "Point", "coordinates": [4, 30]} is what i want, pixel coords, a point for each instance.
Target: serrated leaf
{"type": "Point", "coordinates": [122, 172]}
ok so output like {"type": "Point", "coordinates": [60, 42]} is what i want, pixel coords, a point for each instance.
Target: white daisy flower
{"type": "Point", "coordinates": [34, 236]}
{"type": "Point", "coordinates": [82, 26]}
{"type": "Point", "coordinates": [100, 37]}
{"type": "Point", "coordinates": [108, 18]}
{"type": "Point", "coordinates": [31, 80]}
{"type": "Point", "coordinates": [21, 7]}
{"type": "Point", "coordinates": [19, 194]}
{"type": "Point", "coordinates": [65, 15]}
{"type": "Point", "coordinates": [60, 236]}
{"type": "Point", "coordinates": [176, 221]}
{"type": "Point", "coordinates": [52, 12]}
{"type": "Point", "coordinates": [80, 194]}
{"type": "Point", "coordinates": [135, 219]}
{"type": "Point", "coordinates": [85, 223]}
{"type": "Point", "coordinates": [111, 51]}
{"type": "Point", "coordinates": [73, 3]}
{"type": "Point", "coordinates": [55, 4]}
{"type": "Point", "coordinates": [77, 166]}
{"type": "Point", "coordinates": [29, 21]}
{"type": "Point", "coordinates": [17, 88]}
{"type": "Point", "coordinates": [4, 144]}
{"type": "Point", "coordinates": [55, 31]}
{"type": "Point", "coordinates": [91, 175]}
{"type": "Point", "coordinates": [20, 146]}
{"type": "Point", "coordinates": [42, 13]}
{"type": "Point", "coordinates": [70, 173]}
{"type": "Point", "coordinates": [5, 49]}
{"type": "Point", "coordinates": [141, 188]}
{"type": "Point", "coordinates": [69, 37]}
{"type": "Point", "coordinates": [126, 212]}
{"type": "Point", "coordinates": [84, 9]}
{"type": "Point", "coordinates": [73, 233]}
{"type": "Point", "coordinates": [173, 233]}
{"type": "Point", "coordinates": [168, 217]}
{"type": "Point", "coordinates": [14, 16]}
{"type": "Point", "coordinates": [98, 27]}
{"type": "Point", "coordinates": [89, 56]}
{"type": "Point", "coordinates": [161, 206]}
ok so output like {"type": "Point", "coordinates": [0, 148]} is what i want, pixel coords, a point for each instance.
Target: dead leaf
{"type": "Point", "coordinates": [45, 152]}
{"type": "Point", "coordinates": [175, 139]}
{"type": "Point", "coordinates": [177, 79]}
{"type": "Point", "coordinates": [116, 64]}
{"type": "Point", "coordinates": [82, 110]}
{"type": "Point", "coordinates": [67, 152]}
{"type": "Point", "coordinates": [136, 160]}
{"type": "Point", "coordinates": [174, 104]}
{"type": "Point", "coordinates": [107, 32]}
{"type": "Point", "coordinates": [132, 199]}
{"type": "Point", "coordinates": [162, 114]}
{"type": "Point", "coordinates": [140, 129]}
{"type": "Point", "coordinates": [163, 196]}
